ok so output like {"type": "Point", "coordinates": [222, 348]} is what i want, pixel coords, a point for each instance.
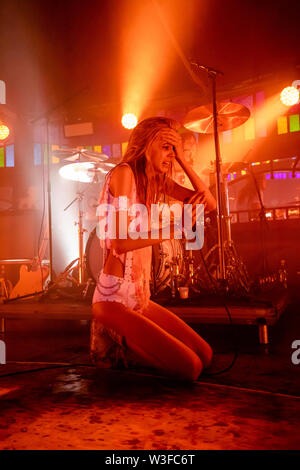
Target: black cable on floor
{"type": "Point", "coordinates": [236, 351]}
{"type": "Point", "coordinates": [235, 387]}
{"type": "Point", "coordinates": [55, 366]}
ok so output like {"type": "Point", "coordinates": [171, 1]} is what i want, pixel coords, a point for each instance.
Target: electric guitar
{"type": "Point", "coordinates": [32, 280]}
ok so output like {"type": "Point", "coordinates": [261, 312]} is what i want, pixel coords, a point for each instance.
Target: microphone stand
{"type": "Point", "coordinates": [49, 202]}
{"type": "Point", "coordinates": [223, 215]}
{"type": "Point", "coordinates": [47, 116]}
{"type": "Point", "coordinates": [212, 74]}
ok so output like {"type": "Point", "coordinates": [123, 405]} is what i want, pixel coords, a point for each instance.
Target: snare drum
{"type": "Point", "coordinates": [165, 253]}
{"type": "Point", "coordinates": [93, 256]}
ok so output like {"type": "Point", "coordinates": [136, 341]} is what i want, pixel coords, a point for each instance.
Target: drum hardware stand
{"type": "Point", "coordinates": [191, 272]}
{"type": "Point", "coordinates": [157, 288]}
{"type": "Point", "coordinates": [81, 230]}
{"type": "Point", "coordinates": [223, 216]}
{"type": "Point", "coordinates": [172, 279]}
{"type": "Point", "coordinates": [219, 183]}
{"type": "Point", "coordinates": [212, 75]}
{"type": "Point", "coordinates": [175, 275]}
{"type": "Point", "coordinates": [67, 275]}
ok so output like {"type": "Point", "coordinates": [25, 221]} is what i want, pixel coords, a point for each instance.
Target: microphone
{"type": "Point", "coordinates": [206, 68]}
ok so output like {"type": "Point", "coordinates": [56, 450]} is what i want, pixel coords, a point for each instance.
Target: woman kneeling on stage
{"type": "Point", "coordinates": [126, 323]}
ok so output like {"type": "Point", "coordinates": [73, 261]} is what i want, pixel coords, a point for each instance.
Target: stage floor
{"type": "Point", "coordinates": [83, 408]}
{"type": "Point", "coordinates": [261, 311]}
{"type": "Point", "coordinates": [51, 397]}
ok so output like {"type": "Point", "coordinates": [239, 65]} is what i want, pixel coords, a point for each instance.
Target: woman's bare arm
{"type": "Point", "coordinates": [180, 192]}
{"type": "Point", "coordinates": [121, 183]}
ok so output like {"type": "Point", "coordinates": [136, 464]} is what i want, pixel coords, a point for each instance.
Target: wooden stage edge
{"type": "Point", "coordinates": [262, 314]}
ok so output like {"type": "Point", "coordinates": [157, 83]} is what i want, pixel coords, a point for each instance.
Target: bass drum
{"type": "Point", "coordinates": [93, 256]}
{"type": "Point", "coordinates": [169, 251]}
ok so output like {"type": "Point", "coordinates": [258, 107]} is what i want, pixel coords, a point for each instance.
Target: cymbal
{"type": "Point", "coordinates": [85, 172]}
{"type": "Point", "coordinates": [230, 116]}
{"type": "Point", "coordinates": [75, 155]}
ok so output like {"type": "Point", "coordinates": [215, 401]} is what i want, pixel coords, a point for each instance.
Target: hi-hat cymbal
{"type": "Point", "coordinates": [230, 115]}
{"type": "Point", "coordinates": [85, 172]}
{"type": "Point", "coordinates": [76, 155]}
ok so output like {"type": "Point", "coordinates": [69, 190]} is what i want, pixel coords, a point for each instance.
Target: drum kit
{"type": "Point", "coordinates": [214, 268]}
{"type": "Point", "coordinates": [84, 166]}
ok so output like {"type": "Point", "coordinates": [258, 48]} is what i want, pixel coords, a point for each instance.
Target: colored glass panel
{"type": "Point", "coordinates": [116, 150]}
{"type": "Point", "coordinates": [280, 175]}
{"type": "Point", "coordinates": [2, 157]}
{"type": "Point", "coordinates": [37, 154]}
{"type": "Point", "coordinates": [10, 155]}
{"type": "Point", "coordinates": [260, 122]}
{"type": "Point", "coordinates": [282, 126]}
{"type": "Point", "coordinates": [45, 152]}
{"type": "Point", "coordinates": [106, 149]}
{"type": "Point", "coordinates": [244, 100]}
{"type": "Point", "coordinates": [54, 158]}
{"type": "Point", "coordinates": [294, 123]}
{"type": "Point", "coordinates": [124, 147]}
{"type": "Point", "coordinates": [260, 98]}
{"type": "Point", "coordinates": [98, 148]}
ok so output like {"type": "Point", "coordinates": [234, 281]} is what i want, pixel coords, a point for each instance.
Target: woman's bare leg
{"type": "Point", "coordinates": [155, 346]}
{"type": "Point", "coordinates": [180, 330]}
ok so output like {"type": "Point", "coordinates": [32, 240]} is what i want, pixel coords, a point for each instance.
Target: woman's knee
{"type": "Point", "coordinates": [206, 356]}
{"type": "Point", "coordinates": [192, 369]}
{"type": "Point", "coordinates": [197, 367]}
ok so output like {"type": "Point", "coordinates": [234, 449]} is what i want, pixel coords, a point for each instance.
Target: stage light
{"type": "Point", "coordinates": [289, 96]}
{"type": "Point", "coordinates": [4, 131]}
{"type": "Point", "coordinates": [129, 120]}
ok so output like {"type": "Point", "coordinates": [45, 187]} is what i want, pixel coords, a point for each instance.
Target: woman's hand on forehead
{"type": "Point", "coordinates": [170, 136]}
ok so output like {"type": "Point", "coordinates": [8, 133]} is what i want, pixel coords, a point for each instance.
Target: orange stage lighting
{"type": "Point", "coordinates": [4, 131]}
{"type": "Point", "coordinates": [289, 96]}
{"type": "Point", "coordinates": [129, 120]}
{"type": "Point", "coordinates": [147, 53]}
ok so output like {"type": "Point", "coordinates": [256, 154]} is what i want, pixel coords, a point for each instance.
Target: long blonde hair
{"type": "Point", "coordinates": [151, 187]}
